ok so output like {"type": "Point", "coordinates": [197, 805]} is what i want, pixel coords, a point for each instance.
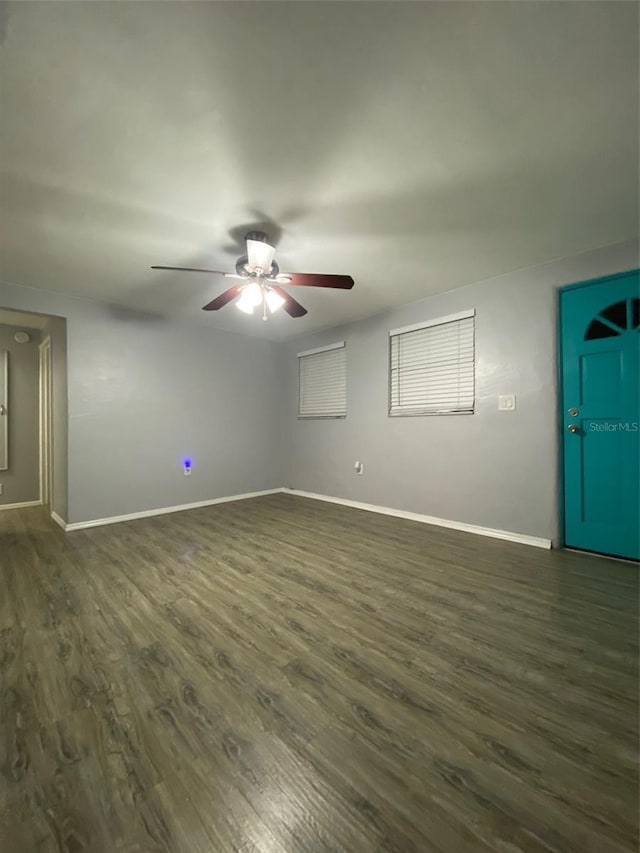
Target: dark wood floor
{"type": "Point", "coordinates": [286, 675]}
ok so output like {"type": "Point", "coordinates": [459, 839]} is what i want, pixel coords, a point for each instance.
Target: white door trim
{"type": "Point", "coordinates": [46, 476]}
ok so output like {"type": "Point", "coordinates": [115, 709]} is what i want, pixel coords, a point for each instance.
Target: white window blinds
{"type": "Point", "coordinates": [432, 367]}
{"type": "Point", "coordinates": [322, 382]}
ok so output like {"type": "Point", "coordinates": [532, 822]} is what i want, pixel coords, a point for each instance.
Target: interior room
{"type": "Point", "coordinates": [319, 427]}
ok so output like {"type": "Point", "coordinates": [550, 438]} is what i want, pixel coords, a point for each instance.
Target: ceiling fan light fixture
{"type": "Point", "coordinates": [274, 300]}
{"type": "Point", "coordinates": [252, 293]}
{"type": "Point", "coordinates": [245, 304]}
{"type": "Point", "coordinates": [260, 255]}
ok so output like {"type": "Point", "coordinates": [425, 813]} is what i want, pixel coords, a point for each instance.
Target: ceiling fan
{"type": "Point", "coordinates": [261, 279]}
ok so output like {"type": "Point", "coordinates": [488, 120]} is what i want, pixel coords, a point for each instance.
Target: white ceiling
{"type": "Point", "coordinates": [415, 146]}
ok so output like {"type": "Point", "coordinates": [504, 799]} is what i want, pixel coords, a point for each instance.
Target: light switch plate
{"type": "Point", "coordinates": [507, 402]}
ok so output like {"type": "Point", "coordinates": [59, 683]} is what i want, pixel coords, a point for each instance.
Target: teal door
{"type": "Point", "coordinates": [600, 341]}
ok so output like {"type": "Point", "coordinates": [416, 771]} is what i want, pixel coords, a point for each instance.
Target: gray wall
{"type": "Point", "coordinates": [144, 393]}
{"type": "Point", "coordinates": [21, 481]}
{"type": "Point", "coordinates": [494, 469]}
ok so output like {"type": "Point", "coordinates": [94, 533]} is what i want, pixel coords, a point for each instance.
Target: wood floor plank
{"type": "Point", "coordinates": [286, 676]}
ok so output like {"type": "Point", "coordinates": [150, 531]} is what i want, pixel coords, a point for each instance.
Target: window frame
{"type": "Point", "coordinates": [339, 345]}
{"type": "Point", "coordinates": [415, 327]}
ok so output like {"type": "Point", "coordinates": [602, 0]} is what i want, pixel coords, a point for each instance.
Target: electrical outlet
{"type": "Point", "coordinates": [359, 468]}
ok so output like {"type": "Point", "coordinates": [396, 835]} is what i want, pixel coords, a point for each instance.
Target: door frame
{"type": "Point", "coordinates": [46, 422]}
{"type": "Point", "coordinates": [561, 402]}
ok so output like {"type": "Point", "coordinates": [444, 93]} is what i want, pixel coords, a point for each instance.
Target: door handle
{"type": "Point", "coordinates": [573, 428]}
{"type": "Point", "coordinates": [3, 410]}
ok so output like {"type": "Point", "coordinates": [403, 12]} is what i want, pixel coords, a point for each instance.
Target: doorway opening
{"type": "Point", "coordinates": [33, 426]}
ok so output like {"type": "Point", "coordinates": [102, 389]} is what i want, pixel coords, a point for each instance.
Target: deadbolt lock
{"type": "Point", "coordinates": [573, 428]}
{"type": "Point", "coordinates": [574, 412]}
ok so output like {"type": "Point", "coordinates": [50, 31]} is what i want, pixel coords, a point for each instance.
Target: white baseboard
{"type": "Point", "coordinates": [523, 538]}
{"type": "Point", "coordinates": [165, 510]}
{"type": "Point", "coordinates": [383, 510]}
{"type": "Point", "coordinates": [22, 505]}
{"type": "Point", "coordinates": [59, 521]}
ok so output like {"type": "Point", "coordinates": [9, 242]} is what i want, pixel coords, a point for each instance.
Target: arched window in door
{"type": "Point", "coordinates": [615, 320]}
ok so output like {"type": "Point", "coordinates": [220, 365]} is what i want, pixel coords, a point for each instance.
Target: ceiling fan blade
{"type": "Point", "coordinates": [223, 299]}
{"type": "Point", "coordinates": [195, 269]}
{"type": "Point", "coordinates": [304, 279]}
{"type": "Point", "coordinates": [260, 255]}
{"type": "Point", "coordinates": [291, 306]}
{"type": "Point", "coordinates": [190, 269]}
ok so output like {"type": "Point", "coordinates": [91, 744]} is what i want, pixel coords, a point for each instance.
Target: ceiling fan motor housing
{"type": "Point", "coordinates": [242, 268]}
{"type": "Point", "coordinates": [258, 236]}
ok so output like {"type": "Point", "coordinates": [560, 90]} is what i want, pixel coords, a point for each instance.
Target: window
{"type": "Point", "coordinates": [614, 320]}
{"type": "Point", "coordinates": [322, 382]}
{"type": "Point", "coordinates": [432, 366]}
